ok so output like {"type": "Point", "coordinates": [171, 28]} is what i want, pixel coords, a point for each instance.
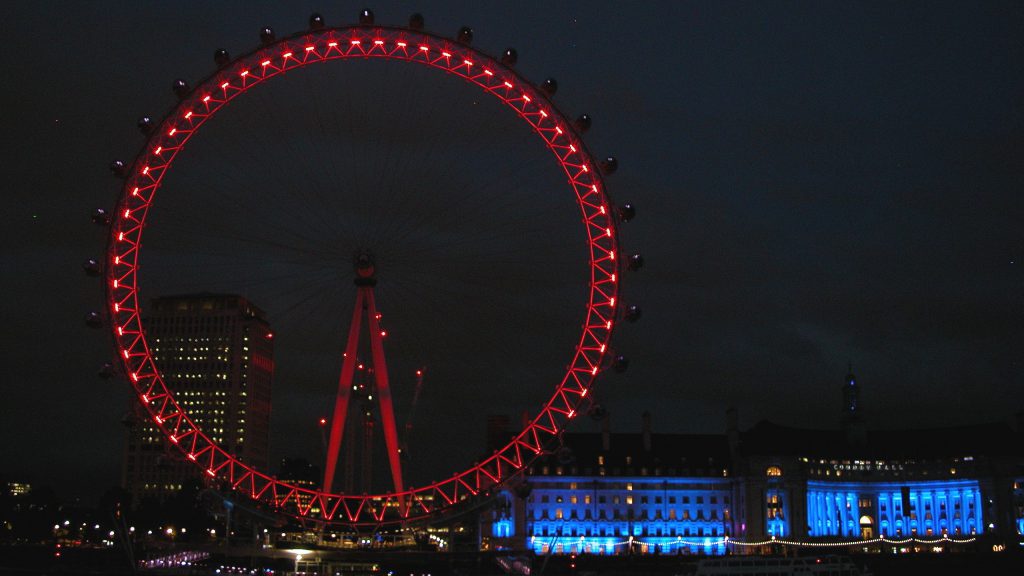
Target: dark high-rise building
{"type": "Point", "coordinates": [215, 352]}
{"type": "Point", "coordinates": [499, 431]}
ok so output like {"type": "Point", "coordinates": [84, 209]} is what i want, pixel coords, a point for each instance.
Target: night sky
{"type": "Point", "coordinates": [816, 184]}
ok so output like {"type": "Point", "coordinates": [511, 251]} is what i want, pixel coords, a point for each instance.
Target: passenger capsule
{"type": "Point", "coordinates": [100, 217]}
{"type": "Point", "coordinates": [180, 88]}
{"type": "Point", "coordinates": [549, 87]}
{"type": "Point", "coordinates": [465, 35]}
{"type": "Point", "coordinates": [91, 267]}
{"type": "Point", "coordinates": [145, 124]}
{"type": "Point", "coordinates": [316, 21]}
{"type": "Point", "coordinates": [510, 57]}
{"type": "Point", "coordinates": [117, 168]}
{"type": "Point", "coordinates": [106, 371]}
{"type": "Point", "coordinates": [93, 320]}
{"type": "Point", "coordinates": [366, 18]}
{"type": "Point", "coordinates": [565, 455]}
{"type": "Point", "coordinates": [633, 313]}
{"type": "Point", "coordinates": [416, 21]}
{"type": "Point", "coordinates": [582, 123]}
{"type": "Point", "coordinates": [620, 364]}
{"type": "Point", "coordinates": [221, 57]}
{"type": "Point", "coordinates": [267, 35]}
{"type": "Point", "coordinates": [627, 212]}
{"type": "Point", "coordinates": [609, 165]}
{"type": "Point", "coordinates": [597, 412]}
{"type": "Point", "coordinates": [636, 262]}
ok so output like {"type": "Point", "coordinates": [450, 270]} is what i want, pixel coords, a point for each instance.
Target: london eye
{"type": "Point", "coordinates": [383, 174]}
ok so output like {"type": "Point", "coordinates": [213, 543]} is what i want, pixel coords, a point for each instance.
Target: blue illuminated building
{"type": "Point", "coordinates": [611, 494]}
{"type": "Point", "coordinates": [862, 509]}
{"type": "Point", "coordinates": [647, 493]}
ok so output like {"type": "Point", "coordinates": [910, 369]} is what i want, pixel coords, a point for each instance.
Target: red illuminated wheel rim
{"type": "Point", "coordinates": [398, 44]}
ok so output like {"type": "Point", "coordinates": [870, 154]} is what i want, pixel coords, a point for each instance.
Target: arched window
{"type": "Point", "coordinates": [773, 471]}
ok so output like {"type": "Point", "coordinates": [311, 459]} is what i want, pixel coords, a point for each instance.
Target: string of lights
{"type": "Point", "coordinates": [880, 540]}
{"type": "Point", "coordinates": [680, 541]}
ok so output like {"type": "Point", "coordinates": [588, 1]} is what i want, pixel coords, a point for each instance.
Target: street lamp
{"type": "Point", "coordinates": [299, 553]}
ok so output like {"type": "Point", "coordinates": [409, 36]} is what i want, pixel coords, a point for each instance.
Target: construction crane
{"type": "Point", "coordinates": [407, 431]}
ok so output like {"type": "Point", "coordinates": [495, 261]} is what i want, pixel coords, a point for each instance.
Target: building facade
{"type": "Point", "coordinates": [215, 351]}
{"type": "Point", "coordinates": [738, 492]}
{"type": "Point", "coordinates": [895, 484]}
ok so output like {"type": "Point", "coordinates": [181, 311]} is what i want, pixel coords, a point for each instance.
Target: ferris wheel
{"type": "Point", "coordinates": [368, 253]}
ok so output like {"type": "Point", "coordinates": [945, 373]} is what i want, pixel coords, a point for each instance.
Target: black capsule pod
{"type": "Point", "coordinates": [627, 212]}
{"type": "Point", "coordinates": [221, 57]}
{"type": "Point", "coordinates": [635, 262]}
{"type": "Point", "coordinates": [93, 320]}
{"type": "Point", "coordinates": [416, 21]}
{"type": "Point", "coordinates": [620, 364]}
{"type": "Point", "coordinates": [366, 17]}
{"type": "Point", "coordinates": [180, 88]}
{"type": "Point", "coordinates": [509, 57]}
{"type": "Point", "coordinates": [549, 86]}
{"type": "Point", "coordinates": [100, 217]}
{"type": "Point", "coordinates": [632, 313]}
{"type": "Point", "coordinates": [565, 455]}
{"type": "Point", "coordinates": [465, 35]}
{"type": "Point", "coordinates": [91, 267]}
{"type": "Point", "coordinates": [609, 165]}
{"type": "Point", "coordinates": [597, 412]}
{"type": "Point", "coordinates": [145, 125]}
{"type": "Point", "coordinates": [106, 371]}
{"type": "Point", "coordinates": [582, 123]}
{"type": "Point", "coordinates": [118, 168]}
{"type": "Point", "coordinates": [267, 35]}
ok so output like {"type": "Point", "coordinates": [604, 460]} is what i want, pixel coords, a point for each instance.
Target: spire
{"type": "Point", "coordinates": [853, 415]}
{"type": "Point", "coordinates": [646, 431]}
{"type": "Point", "coordinates": [851, 396]}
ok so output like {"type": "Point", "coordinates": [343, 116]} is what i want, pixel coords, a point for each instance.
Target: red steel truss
{"type": "Point", "coordinates": [144, 177]}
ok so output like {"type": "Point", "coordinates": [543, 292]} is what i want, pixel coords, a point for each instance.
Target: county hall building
{"type": "Point", "coordinates": [769, 486]}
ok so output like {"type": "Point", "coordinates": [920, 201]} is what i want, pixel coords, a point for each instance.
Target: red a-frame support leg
{"type": "Point", "coordinates": [365, 303]}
